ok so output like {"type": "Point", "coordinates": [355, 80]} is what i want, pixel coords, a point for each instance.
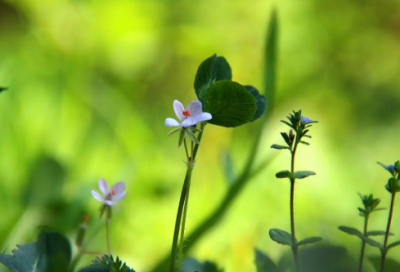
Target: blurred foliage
{"type": "Point", "coordinates": [90, 83]}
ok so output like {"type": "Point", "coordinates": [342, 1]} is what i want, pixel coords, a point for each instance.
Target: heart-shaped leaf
{"type": "Point", "coordinates": [229, 104]}
{"type": "Point", "coordinates": [211, 70]}
{"type": "Point", "coordinates": [281, 236]}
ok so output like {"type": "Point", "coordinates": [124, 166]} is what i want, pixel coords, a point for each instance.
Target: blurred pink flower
{"type": "Point", "coordinates": [116, 193]}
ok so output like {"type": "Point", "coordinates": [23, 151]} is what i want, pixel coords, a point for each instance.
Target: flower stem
{"type": "Point", "coordinates": [183, 224]}
{"type": "Point", "coordinates": [182, 207]}
{"type": "Point", "coordinates": [108, 236]}
{"type": "Point", "coordinates": [178, 221]}
{"type": "Point", "coordinates": [384, 251]}
{"type": "Point", "coordinates": [292, 227]}
{"type": "Point", "coordinates": [360, 264]}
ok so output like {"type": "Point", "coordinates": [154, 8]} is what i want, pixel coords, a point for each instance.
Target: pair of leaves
{"type": "Point", "coordinates": [285, 238]}
{"type": "Point", "coordinates": [355, 232]}
{"type": "Point", "coordinates": [295, 175]}
{"type": "Point", "coordinates": [230, 103]}
{"type": "Point", "coordinates": [52, 252]}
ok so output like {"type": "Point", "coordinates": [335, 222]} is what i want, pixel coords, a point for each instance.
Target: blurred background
{"type": "Point", "coordinates": [91, 82]}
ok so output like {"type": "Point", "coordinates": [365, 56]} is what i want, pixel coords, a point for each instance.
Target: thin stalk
{"type": "Point", "coordinates": [360, 264]}
{"type": "Point", "coordinates": [292, 227]}
{"type": "Point", "coordinates": [108, 236]}
{"type": "Point", "coordinates": [384, 251]}
{"type": "Point", "coordinates": [183, 224]}
{"type": "Point", "coordinates": [178, 223]}
{"type": "Point", "coordinates": [183, 202]}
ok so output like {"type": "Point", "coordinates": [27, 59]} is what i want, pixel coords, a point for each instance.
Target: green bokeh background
{"type": "Point", "coordinates": [91, 82]}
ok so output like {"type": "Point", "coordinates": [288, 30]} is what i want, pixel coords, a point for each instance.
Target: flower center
{"type": "Point", "coordinates": [186, 113]}
{"type": "Point", "coordinates": [113, 192]}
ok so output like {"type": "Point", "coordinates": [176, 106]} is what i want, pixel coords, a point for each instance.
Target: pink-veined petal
{"type": "Point", "coordinates": [204, 116]}
{"type": "Point", "coordinates": [103, 186]}
{"type": "Point", "coordinates": [109, 202]}
{"type": "Point", "coordinates": [118, 187]}
{"type": "Point", "coordinates": [194, 108]}
{"type": "Point", "coordinates": [178, 108]}
{"type": "Point", "coordinates": [119, 196]}
{"type": "Point", "coordinates": [171, 122]}
{"type": "Point", "coordinates": [97, 196]}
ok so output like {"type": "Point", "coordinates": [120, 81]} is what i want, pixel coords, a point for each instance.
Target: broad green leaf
{"type": "Point", "coordinates": [264, 263]}
{"type": "Point", "coordinates": [392, 245]}
{"type": "Point", "coordinates": [24, 259]}
{"type": "Point", "coordinates": [390, 264]}
{"type": "Point", "coordinates": [284, 174]}
{"type": "Point", "coordinates": [54, 251]}
{"type": "Point", "coordinates": [229, 104]}
{"type": "Point", "coordinates": [211, 70]}
{"type": "Point", "coordinates": [281, 236]}
{"type": "Point", "coordinates": [261, 103]}
{"type": "Point", "coordinates": [275, 146]}
{"type": "Point", "coordinates": [270, 61]}
{"type": "Point", "coordinates": [309, 241]}
{"type": "Point", "coordinates": [302, 174]}
{"type": "Point", "coordinates": [377, 233]}
{"type": "Point", "coordinates": [190, 264]}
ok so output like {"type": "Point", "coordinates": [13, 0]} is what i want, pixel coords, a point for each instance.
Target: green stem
{"type": "Point", "coordinates": [360, 264]}
{"type": "Point", "coordinates": [182, 203]}
{"type": "Point", "coordinates": [292, 227]}
{"type": "Point", "coordinates": [183, 224]}
{"type": "Point", "coordinates": [108, 236]}
{"type": "Point", "coordinates": [178, 224]}
{"type": "Point", "coordinates": [384, 251]}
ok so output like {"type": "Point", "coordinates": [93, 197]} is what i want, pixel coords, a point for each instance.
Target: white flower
{"type": "Point", "coordinates": [188, 117]}
{"type": "Point", "coordinates": [116, 193]}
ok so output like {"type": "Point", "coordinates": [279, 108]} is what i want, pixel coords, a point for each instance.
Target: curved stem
{"type": "Point", "coordinates": [384, 251]}
{"type": "Point", "coordinates": [360, 264]}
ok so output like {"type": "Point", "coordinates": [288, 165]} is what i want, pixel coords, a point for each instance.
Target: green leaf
{"type": "Point", "coordinates": [24, 258]}
{"type": "Point", "coordinates": [309, 241]}
{"type": "Point", "coordinates": [284, 174]}
{"type": "Point", "coordinates": [54, 250]}
{"type": "Point", "coordinates": [270, 60]}
{"type": "Point", "coordinates": [355, 232]}
{"type": "Point", "coordinates": [377, 233]}
{"type": "Point", "coordinates": [191, 264]}
{"type": "Point", "coordinates": [261, 103]}
{"type": "Point", "coordinates": [304, 142]}
{"type": "Point", "coordinates": [302, 174]}
{"type": "Point", "coordinates": [95, 268]}
{"type": "Point", "coordinates": [264, 263]}
{"type": "Point", "coordinates": [392, 245]}
{"type": "Point", "coordinates": [390, 264]}
{"type": "Point", "coordinates": [351, 231]}
{"type": "Point", "coordinates": [275, 146]}
{"type": "Point", "coordinates": [229, 104]}
{"type": "Point", "coordinates": [115, 265]}
{"type": "Point", "coordinates": [281, 236]}
{"type": "Point", "coordinates": [211, 70]}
